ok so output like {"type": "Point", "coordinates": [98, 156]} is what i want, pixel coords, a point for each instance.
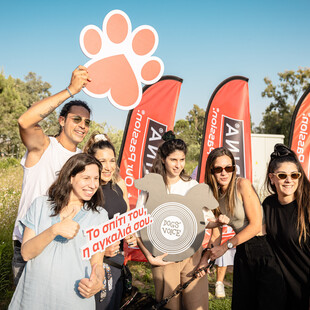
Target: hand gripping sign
{"type": "Point", "coordinates": [121, 225]}
{"type": "Point", "coordinates": [178, 224]}
{"type": "Point", "coordinates": [121, 59]}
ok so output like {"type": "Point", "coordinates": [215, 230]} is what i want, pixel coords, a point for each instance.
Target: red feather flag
{"type": "Point", "coordinates": [228, 123]}
{"type": "Point", "coordinates": [143, 134]}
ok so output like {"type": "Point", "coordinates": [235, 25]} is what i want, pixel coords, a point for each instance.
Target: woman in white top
{"type": "Point", "coordinates": [170, 162]}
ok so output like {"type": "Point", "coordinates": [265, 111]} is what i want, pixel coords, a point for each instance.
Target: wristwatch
{"type": "Point", "coordinates": [229, 245]}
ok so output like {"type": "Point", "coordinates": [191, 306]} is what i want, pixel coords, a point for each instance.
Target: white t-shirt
{"type": "Point", "coordinates": [38, 178]}
{"type": "Point", "coordinates": [181, 187]}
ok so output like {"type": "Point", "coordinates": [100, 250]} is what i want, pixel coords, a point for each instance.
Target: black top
{"type": "Point", "coordinates": [294, 259]}
{"type": "Point", "coordinates": [114, 201]}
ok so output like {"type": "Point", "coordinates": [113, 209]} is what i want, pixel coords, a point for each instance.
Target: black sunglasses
{"type": "Point", "coordinates": [283, 175]}
{"type": "Point", "coordinates": [220, 169]}
{"type": "Point", "coordinates": [77, 119]}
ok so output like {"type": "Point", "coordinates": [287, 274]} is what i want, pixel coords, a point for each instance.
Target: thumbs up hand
{"type": "Point", "coordinates": [92, 285]}
{"type": "Point", "coordinates": [67, 228]}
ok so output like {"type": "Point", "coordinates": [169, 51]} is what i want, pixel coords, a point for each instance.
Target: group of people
{"type": "Point", "coordinates": [272, 260]}
{"type": "Point", "coordinates": [66, 190]}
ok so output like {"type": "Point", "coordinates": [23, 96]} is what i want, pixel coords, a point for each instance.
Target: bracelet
{"type": "Point", "coordinates": [67, 88]}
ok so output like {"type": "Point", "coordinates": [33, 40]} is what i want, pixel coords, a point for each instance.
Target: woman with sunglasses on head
{"type": "Point", "coordinates": [56, 276]}
{"type": "Point", "coordinates": [287, 213]}
{"type": "Point", "coordinates": [257, 282]}
{"type": "Point", "coordinates": [116, 201]}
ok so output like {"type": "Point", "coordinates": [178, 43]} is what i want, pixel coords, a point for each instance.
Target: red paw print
{"type": "Point", "coordinates": [120, 60]}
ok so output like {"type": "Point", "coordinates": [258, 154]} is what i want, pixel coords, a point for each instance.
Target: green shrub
{"type": "Point", "coordinates": [8, 162]}
{"type": "Point", "coordinates": [6, 286]}
{"type": "Point", "coordinates": [190, 166]}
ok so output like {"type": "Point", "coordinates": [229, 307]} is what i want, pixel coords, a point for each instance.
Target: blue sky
{"type": "Point", "coordinates": [203, 42]}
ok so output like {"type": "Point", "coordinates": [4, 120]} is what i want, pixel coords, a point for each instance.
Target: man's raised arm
{"type": "Point", "coordinates": [31, 133]}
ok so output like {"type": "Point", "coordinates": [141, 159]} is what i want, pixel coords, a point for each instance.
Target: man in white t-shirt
{"type": "Point", "coordinates": [45, 155]}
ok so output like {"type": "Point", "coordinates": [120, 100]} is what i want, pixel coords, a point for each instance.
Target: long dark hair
{"type": "Point", "coordinates": [100, 142]}
{"type": "Point", "coordinates": [170, 145]}
{"type": "Point", "coordinates": [211, 181]}
{"type": "Point", "coordinates": [59, 192]}
{"type": "Point", "coordinates": [282, 154]}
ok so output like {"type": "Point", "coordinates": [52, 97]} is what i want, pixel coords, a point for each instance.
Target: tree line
{"type": "Point", "coordinates": [17, 95]}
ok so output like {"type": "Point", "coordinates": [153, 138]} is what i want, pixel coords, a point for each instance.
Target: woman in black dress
{"type": "Point", "coordinates": [287, 213]}
{"type": "Point", "coordinates": [116, 201]}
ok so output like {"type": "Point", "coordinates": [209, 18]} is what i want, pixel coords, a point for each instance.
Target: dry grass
{"type": "Point", "coordinates": [11, 174]}
{"type": "Point", "coordinates": [10, 190]}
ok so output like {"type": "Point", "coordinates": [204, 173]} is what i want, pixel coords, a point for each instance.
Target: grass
{"type": "Point", "coordinates": [142, 279]}
{"type": "Point", "coordinates": [10, 189]}
{"type": "Point", "coordinates": [225, 303]}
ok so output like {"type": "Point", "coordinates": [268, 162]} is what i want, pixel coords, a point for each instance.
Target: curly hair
{"type": "Point", "coordinates": [77, 103]}
{"type": "Point", "coordinates": [67, 107]}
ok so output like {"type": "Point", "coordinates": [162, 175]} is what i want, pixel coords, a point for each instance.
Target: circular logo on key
{"type": "Point", "coordinates": [176, 228]}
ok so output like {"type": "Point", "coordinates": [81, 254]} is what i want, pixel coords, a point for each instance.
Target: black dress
{"type": "Point", "coordinates": [294, 259]}
{"type": "Point", "coordinates": [114, 203]}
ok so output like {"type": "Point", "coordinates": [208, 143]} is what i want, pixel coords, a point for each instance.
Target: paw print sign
{"type": "Point", "coordinates": [121, 59]}
{"type": "Point", "coordinates": [178, 226]}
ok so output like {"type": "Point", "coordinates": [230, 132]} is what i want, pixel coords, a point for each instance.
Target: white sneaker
{"type": "Point", "coordinates": [219, 290]}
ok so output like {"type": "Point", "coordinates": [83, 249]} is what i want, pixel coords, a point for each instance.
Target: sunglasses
{"type": "Point", "coordinates": [220, 169]}
{"type": "Point", "coordinates": [283, 175]}
{"type": "Point", "coordinates": [77, 119]}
